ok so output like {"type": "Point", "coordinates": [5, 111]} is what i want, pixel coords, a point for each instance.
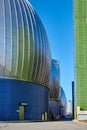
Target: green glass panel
{"type": "Point", "coordinates": [81, 52]}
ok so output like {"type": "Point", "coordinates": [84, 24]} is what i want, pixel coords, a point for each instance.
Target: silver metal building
{"type": "Point", "coordinates": [24, 46]}
{"type": "Point", "coordinates": [25, 62]}
{"type": "Point", "coordinates": [54, 103]}
{"type": "Point", "coordinates": [63, 102]}
{"type": "Point", "coordinates": [55, 80]}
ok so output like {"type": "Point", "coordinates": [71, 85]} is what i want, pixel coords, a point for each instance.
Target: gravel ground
{"type": "Point", "coordinates": [57, 125]}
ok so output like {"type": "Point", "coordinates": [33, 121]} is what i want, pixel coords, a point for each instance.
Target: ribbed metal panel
{"type": "Point", "coordinates": [24, 47]}
{"type": "Point", "coordinates": [55, 80]}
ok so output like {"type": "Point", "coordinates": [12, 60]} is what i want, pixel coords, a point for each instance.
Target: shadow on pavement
{"type": "Point", "coordinates": [32, 121]}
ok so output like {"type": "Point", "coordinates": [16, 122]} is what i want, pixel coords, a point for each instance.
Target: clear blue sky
{"type": "Point", "coordinates": [57, 17]}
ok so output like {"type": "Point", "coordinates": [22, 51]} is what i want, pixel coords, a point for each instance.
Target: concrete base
{"type": "Point", "coordinates": [82, 115]}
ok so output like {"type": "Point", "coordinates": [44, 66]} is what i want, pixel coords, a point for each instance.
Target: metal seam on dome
{"type": "Point", "coordinates": [17, 8]}
{"type": "Point", "coordinates": [28, 36]}
{"type": "Point", "coordinates": [10, 39]}
{"type": "Point", "coordinates": [11, 36]}
{"type": "Point", "coordinates": [23, 36]}
{"type": "Point", "coordinates": [33, 38]}
{"type": "Point", "coordinates": [38, 49]}
{"type": "Point", "coordinates": [31, 23]}
{"type": "Point", "coordinates": [4, 36]}
{"type": "Point", "coordinates": [7, 66]}
{"type": "Point", "coordinates": [37, 52]}
{"type": "Point", "coordinates": [44, 54]}
{"type": "Point", "coordinates": [48, 55]}
{"type": "Point", "coordinates": [30, 19]}
{"type": "Point", "coordinates": [11, 10]}
{"type": "Point", "coordinates": [36, 42]}
{"type": "Point", "coordinates": [41, 60]}
{"type": "Point", "coordinates": [44, 61]}
{"type": "Point", "coordinates": [46, 51]}
{"type": "Point", "coordinates": [4, 39]}
{"type": "Point", "coordinates": [46, 70]}
{"type": "Point", "coordinates": [17, 37]}
{"type": "Point", "coordinates": [1, 47]}
{"type": "Point", "coordinates": [40, 76]}
{"type": "Point", "coordinates": [31, 10]}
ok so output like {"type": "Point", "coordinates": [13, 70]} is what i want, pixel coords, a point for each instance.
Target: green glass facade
{"type": "Point", "coordinates": [80, 16]}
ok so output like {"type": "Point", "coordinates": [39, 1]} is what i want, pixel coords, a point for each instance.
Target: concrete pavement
{"type": "Point", "coordinates": [56, 125]}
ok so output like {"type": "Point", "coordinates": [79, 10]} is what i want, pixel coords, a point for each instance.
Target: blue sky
{"type": "Point", "coordinates": [57, 17]}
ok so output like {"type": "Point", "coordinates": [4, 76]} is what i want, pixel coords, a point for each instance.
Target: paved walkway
{"type": "Point", "coordinates": [57, 125]}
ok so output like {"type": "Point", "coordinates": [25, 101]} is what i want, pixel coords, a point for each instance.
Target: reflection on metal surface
{"type": "Point", "coordinates": [24, 47]}
{"type": "Point", "coordinates": [55, 80]}
{"type": "Point", "coordinates": [63, 102]}
{"type": "Point", "coordinates": [63, 99]}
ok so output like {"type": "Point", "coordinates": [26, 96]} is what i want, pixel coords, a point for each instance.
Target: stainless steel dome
{"type": "Point", "coordinates": [55, 80]}
{"type": "Point", "coordinates": [24, 47]}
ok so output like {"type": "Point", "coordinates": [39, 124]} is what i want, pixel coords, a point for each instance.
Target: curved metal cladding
{"type": "Point", "coordinates": [55, 80]}
{"type": "Point", "coordinates": [63, 102]}
{"type": "Point", "coordinates": [24, 47]}
{"type": "Point", "coordinates": [63, 99]}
